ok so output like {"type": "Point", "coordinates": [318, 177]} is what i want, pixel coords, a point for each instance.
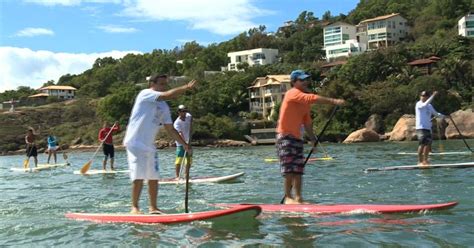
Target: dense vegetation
{"type": "Point", "coordinates": [378, 82]}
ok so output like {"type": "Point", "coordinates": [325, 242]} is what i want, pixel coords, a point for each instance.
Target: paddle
{"type": "Point", "coordinates": [317, 142]}
{"type": "Point", "coordinates": [462, 136]}
{"type": "Point", "coordinates": [88, 164]}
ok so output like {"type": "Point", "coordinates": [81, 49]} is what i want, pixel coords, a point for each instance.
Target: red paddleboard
{"type": "Point", "coordinates": [234, 213]}
{"type": "Point", "coordinates": [346, 208]}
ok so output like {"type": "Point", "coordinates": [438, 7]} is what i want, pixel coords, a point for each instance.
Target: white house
{"type": "Point", "coordinates": [259, 56]}
{"type": "Point", "coordinates": [384, 31]}
{"type": "Point", "coordinates": [466, 25]}
{"type": "Point", "coordinates": [341, 40]}
{"type": "Point", "coordinates": [59, 91]}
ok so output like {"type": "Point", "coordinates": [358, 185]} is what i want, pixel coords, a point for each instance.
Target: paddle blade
{"type": "Point", "coordinates": [86, 167]}
{"type": "Point", "coordinates": [65, 156]}
{"type": "Point", "coordinates": [26, 162]}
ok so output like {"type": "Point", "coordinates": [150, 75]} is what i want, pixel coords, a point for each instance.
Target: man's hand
{"type": "Point", "coordinates": [188, 149]}
{"type": "Point", "coordinates": [191, 84]}
{"type": "Point", "coordinates": [339, 102]}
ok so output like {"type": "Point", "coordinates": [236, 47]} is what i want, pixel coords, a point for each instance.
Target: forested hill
{"type": "Point", "coordinates": [374, 82]}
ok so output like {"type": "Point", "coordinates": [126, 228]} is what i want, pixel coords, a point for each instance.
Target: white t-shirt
{"type": "Point", "coordinates": [149, 114]}
{"type": "Point", "coordinates": [423, 113]}
{"type": "Point", "coordinates": [183, 127]}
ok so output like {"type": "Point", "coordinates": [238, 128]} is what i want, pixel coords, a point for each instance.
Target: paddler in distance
{"type": "Point", "coordinates": [423, 113]}
{"type": "Point", "coordinates": [183, 124]}
{"type": "Point", "coordinates": [150, 112]}
{"type": "Point", "coordinates": [294, 112]}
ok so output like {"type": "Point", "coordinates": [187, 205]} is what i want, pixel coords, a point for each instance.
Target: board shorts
{"type": "Point", "coordinates": [290, 153]}
{"type": "Point", "coordinates": [424, 137]}
{"type": "Point", "coordinates": [52, 148]}
{"type": "Point", "coordinates": [143, 164]}
{"type": "Point", "coordinates": [109, 150]}
{"type": "Point", "coordinates": [31, 151]}
{"type": "Point", "coordinates": [180, 156]}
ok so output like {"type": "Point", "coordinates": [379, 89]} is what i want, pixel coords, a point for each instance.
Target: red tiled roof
{"type": "Point", "coordinates": [378, 18]}
{"type": "Point", "coordinates": [342, 62]}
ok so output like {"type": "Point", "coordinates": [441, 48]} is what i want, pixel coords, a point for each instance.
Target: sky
{"type": "Point", "coordinates": [41, 40]}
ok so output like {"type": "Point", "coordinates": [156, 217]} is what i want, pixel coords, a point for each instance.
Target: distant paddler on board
{"type": "Point", "coordinates": [423, 113]}
{"type": "Point", "coordinates": [31, 149]}
{"type": "Point", "coordinates": [183, 124]}
{"type": "Point", "coordinates": [105, 136]}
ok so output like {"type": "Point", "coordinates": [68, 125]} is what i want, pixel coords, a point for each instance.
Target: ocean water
{"type": "Point", "coordinates": [32, 205]}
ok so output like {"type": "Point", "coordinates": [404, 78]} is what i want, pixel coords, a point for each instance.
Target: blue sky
{"type": "Point", "coordinates": [41, 40]}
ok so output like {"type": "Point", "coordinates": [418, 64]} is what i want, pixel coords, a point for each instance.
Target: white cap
{"type": "Point", "coordinates": [181, 107]}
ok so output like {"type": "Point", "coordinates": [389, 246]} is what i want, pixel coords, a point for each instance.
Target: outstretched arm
{"type": "Point", "coordinates": [175, 92]}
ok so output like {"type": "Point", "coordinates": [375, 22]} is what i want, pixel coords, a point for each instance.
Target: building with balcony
{"type": "Point", "coordinates": [259, 56]}
{"type": "Point", "coordinates": [384, 31]}
{"type": "Point", "coordinates": [341, 40]}
{"type": "Point", "coordinates": [266, 92]}
{"type": "Point", "coordinates": [466, 25]}
{"type": "Point", "coordinates": [59, 91]}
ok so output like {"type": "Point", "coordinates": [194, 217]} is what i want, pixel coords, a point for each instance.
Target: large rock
{"type": "Point", "coordinates": [404, 129]}
{"type": "Point", "coordinates": [464, 120]}
{"type": "Point", "coordinates": [375, 123]}
{"type": "Point", "coordinates": [362, 135]}
{"type": "Point", "coordinates": [439, 128]}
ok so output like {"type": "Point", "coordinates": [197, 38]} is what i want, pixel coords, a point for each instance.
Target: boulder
{"type": "Point", "coordinates": [362, 135]}
{"type": "Point", "coordinates": [375, 123]}
{"type": "Point", "coordinates": [464, 120]}
{"type": "Point", "coordinates": [404, 129]}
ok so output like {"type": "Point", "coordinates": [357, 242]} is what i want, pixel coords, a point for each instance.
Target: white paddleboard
{"type": "Point", "coordinates": [437, 153]}
{"type": "Point", "coordinates": [39, 168]}
{"type": "Point", "coordinates": [96, 172]}
{"type": "Point", "coordinates": [201, 179]}
{"type": "Point", "coordinates": [427, 167]}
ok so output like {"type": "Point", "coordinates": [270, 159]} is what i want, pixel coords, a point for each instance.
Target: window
{"type": "Point", "coordinates": [337, 51]}
{"type": "Point", "coordinates": [469, 24]}
{"type": "Point", "coordinates": [381, 24]}
{"type": "Point", "coordinates": [354, 49]}
{"type": "Point", "coordinates": [232, 66]}
{"type": "Point", "coordinates": [258, 56]}
{"type": "Point", "coordinates": [345, 36]}
{"type": "Point", "coordinates": [470, 33]}
{"type": "Point", "coordinates": [371, 26]}
{"type": "Point", "coordinates": [332, 30]}
{"type": "Point", "coordinates": [372, 37]}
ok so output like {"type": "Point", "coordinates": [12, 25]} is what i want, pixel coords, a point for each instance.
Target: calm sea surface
{"type": "Point", "coordinates": [32, 205]}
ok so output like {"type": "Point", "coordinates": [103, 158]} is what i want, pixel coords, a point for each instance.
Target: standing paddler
{"type": "Point", "coordinates": [423, 112]}
{"type": "Point", "coordinates": [150, 112]}
{"type": "Point", "coordinates": [294, 112]}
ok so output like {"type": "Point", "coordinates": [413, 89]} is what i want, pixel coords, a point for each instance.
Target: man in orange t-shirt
{"type": "Point", "coordinates": [294, 112]}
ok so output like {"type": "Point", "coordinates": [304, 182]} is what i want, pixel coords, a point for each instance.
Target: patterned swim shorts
{"type": "Point", "coordinates": [290, 153]}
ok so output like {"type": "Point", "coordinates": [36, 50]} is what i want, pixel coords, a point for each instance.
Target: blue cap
{"type": "Point", "coordinates": [299, 74]}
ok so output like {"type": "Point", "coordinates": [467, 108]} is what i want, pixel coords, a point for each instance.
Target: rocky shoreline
{"type": "Point", "coordinates": [160, 144]}
{"type": "Point", "coordinates": [404, 129]}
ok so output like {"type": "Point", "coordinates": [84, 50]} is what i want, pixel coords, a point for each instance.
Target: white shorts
{"type": "Point", "coordinates": [143, 165]}
{"type": "Point", "coordinates": [52, 148]}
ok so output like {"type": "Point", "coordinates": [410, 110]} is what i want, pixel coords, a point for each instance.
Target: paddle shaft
{"type": "Point", "coordinates": [320, 134]}
{"type": "Point", "coordinates": [317, 142]}
{"type": "Point", "coordinates": [462, 137]}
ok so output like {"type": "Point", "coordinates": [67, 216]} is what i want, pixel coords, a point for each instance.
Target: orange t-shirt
{"type": "Point", "coordinates": [295, 110]}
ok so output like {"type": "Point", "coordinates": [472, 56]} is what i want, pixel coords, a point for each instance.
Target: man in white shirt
{"type": "Point", "coordinates": [150, 112]}
{"type": "Point", "coordinates": [183, 124]}
{"type": "Point", "coordinates": [424, 111]}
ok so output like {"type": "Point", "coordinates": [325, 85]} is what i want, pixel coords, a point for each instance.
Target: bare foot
{"type": "Point", "coordinates": [155, 211]}
{"type": "Point", "coordinates": [289, 200]}
{"type": "Point", "coordinates": [135, 211]}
